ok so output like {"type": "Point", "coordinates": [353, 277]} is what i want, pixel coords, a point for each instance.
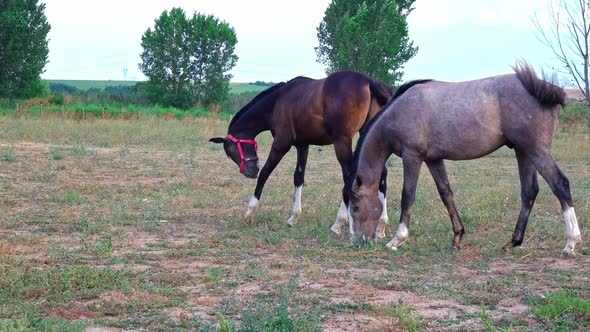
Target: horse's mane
{"type": "Point", "coordinates": [356, 156]}
{"type": "Point", "coordinates": [254, 100]}
{"type": "Point", "coordinates": [547, 93]}
{"type": "Point", "coordinates": [261, 96]}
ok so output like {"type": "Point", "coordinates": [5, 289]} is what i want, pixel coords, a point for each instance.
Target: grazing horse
{"type": "Point", "coordinates": [429, 121]}
{"type": "Point", "coordinates": [303, 112]}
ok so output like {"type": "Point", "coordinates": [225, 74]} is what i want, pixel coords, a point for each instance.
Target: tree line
{"type": "Point", "coordinates": [187, 58]}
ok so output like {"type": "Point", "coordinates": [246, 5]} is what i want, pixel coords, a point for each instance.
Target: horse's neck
{"type": "Point", "coordinates": [253, 122]}
{"type": "Point", "coordinates": [372, 159]}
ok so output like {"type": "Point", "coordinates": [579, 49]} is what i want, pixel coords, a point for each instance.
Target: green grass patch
{"type": "Point", "coordinates": [7, 155]}
{"type": "Point", "coordinates": [70, 197]}
{"type": "Point", "coordinates": [58, 285]}
{"type": "Point", "coordinates": [41, 324]}
{"type": "Point", "coordinates": [574, 114]}
{"type": "Point", "coordinates": [563, 311]}
{"type": "Point", "coordinates": [282, 314]}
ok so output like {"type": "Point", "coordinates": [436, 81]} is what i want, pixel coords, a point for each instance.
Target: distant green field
{"type": "Point", "coordinates": [246, 87]}
{"type": "Point", "coordinates": [89, 84]}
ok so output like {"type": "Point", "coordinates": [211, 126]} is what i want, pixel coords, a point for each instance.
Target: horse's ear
{"type": "Point", "coordinates": [216, 140]}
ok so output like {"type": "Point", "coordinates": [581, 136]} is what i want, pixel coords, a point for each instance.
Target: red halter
{"type": "Point", "coordinates": [239, 142]}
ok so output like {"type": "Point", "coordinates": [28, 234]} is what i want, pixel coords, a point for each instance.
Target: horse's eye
{"type": "Point", "coordinates": [355, 209]}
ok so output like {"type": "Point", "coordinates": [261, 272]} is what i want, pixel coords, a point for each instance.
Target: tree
{"type": "Point", "coordinates": [23, 47]}
{"type": "Point", "coordinates": [186, 59]}
{"type": "Point", "coordinates": [567, 36]}
{"type": "Point", "coordinates": [369, 36]}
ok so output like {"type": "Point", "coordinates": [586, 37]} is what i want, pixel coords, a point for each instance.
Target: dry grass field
{"type": "Point", "coordinates": [138, 225]}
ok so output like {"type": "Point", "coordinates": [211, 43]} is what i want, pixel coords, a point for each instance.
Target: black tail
{"type": "Point", "coordinates": [380, 92]}
{"type": "Point", "coordinates": [548, 94]}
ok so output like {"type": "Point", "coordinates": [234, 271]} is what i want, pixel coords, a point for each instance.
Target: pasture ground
{"type": "Point", "coordinates": [138, 225]}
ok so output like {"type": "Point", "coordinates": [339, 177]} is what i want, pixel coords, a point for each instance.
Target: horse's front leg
{"type": "Point", "coordinates": [277, 152]}
{"type": "Point", "coordinates": [298, 181]}
{"type": "Point", "coordinates": [439, 174]}
{"type": "Point", "coordinates": [343, 149]}
{"type": "Point", "coordinates": [529, 188]}
{"type": "Point", "coordinates": [383, 220]}
{"type": "Point", "coordinates": [411, 173]}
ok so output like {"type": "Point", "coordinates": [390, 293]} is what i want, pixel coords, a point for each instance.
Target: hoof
{"type": "Point", "coordinates": [249, 215]}
{"type": "Point", "coordinates": [380, 233]}
{"type": "Point", "coordinates": [567, 255]}
{"type": "Point", "coordinates": [454, 248]}
{"type": "Point", "coordinates": [395, 243]}
{"type": "Point", "coordinates": [393, 246]}
{"type": "Point", "coordinates": [291, 222]}
{"type": "Point", "coordinates": [507, 246]}
{"type": "Point", "coordinates": [336, 229]}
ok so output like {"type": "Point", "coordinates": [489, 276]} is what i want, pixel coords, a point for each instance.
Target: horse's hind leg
{"type": "Point", "coordinates": [298, 180]}
{"type": "Point", "coordinates": [560, 186]}
{"type": "Point", "coordinates": [411, 173]}
{"type": "Point", "coordinates": [439, 174]}
{"type": "Point", "coordinates": [383, 220]}
{"type": "Point", "coordinates": [529, 188]}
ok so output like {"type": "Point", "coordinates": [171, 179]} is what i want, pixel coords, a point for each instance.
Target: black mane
{"type": "Point", "coordinates": [355, 160]}
{"type": "Point", "coordinates": [262, 95]}
{"type": "Point", "coordinates": [254, 100]}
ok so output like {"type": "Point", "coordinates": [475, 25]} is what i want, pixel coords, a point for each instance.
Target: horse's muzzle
{"type": "Point", "coordinates": [251, 170]}
{"type": "Point", "coordinates": [359, 239]}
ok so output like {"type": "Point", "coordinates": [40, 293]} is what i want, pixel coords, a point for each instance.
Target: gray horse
{"type": "Point", "coordinates": [429, 121]}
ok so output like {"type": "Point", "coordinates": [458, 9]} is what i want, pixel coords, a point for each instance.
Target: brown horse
{"type": "Point", "coordinates": [429, 121]}
{"type": "Point", "coordinates": [303, 112]}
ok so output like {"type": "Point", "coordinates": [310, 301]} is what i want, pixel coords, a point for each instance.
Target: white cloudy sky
{"type": "Point", "coordinates": [458, 39]}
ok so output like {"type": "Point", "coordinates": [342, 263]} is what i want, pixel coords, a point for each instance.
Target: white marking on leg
{"type": "Point", "coordinates": [383, 220]}
{"type": "Point", "coordinates": [572, 231]}
{"type": "Point", "coordinates": [341, 218]}
{"type": "Point", "coordinates": [296, 207]}
{"type": "Point", "coordinates": [400, 237]}
{"type": "Point", "coordinates": [252, 206]}
{"type": "Point", "coordinates": [350, 223]}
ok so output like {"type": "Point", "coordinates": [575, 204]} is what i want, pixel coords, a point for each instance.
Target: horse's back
{"type": "Point", "coordinates": [461, 120]}
{"type": "Point", "coordinates": [347, 102]}
{"type": "Point", "coordinates": [318, 111]}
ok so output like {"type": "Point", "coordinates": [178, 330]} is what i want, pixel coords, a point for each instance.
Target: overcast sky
{"type": "Point", "coordinates": [457, 39]}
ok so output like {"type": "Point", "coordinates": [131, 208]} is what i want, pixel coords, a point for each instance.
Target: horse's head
{"type": "Point", "coordinates": [244, 152]}
{"type": "Point", "coordinates": [364, 209]}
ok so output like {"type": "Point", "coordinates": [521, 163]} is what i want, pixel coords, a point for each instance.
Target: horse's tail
{"type": "Point", "coordinates": [546, 93]}
{"type": "Point", "coordinates": [380, 92]}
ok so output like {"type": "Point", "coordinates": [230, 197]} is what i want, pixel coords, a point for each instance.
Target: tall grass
{"type": "Point", "coordinates": [148, 131]}
{"type": "Point", "coordinates": [83, 111]}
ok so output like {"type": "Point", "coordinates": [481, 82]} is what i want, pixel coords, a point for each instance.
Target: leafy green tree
{"type": "Point", "coordinates": [369, 36]}
{"type": "Point", "coordinates": [23, 47]}
{"type": "Point", "coordinates": [186, 60]}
